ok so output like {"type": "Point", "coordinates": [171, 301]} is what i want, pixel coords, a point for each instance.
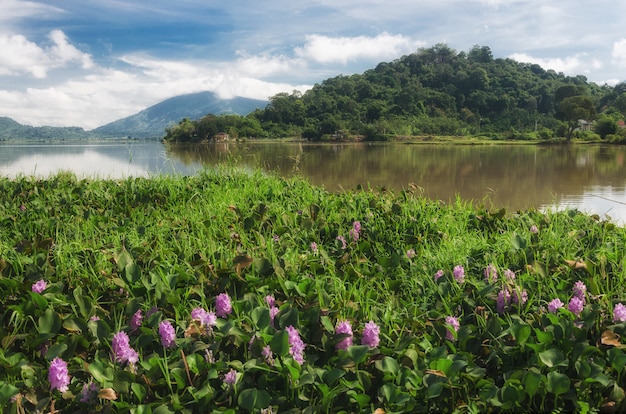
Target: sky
{"type": "Point", "coordinates": [90, 62]}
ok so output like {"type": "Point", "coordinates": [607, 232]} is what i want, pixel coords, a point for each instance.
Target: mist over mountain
{"type": "Point", "coordinates": [152, 121]}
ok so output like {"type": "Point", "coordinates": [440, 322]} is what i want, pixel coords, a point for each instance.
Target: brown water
{"type": "Point", "coordinates": [591, 178]}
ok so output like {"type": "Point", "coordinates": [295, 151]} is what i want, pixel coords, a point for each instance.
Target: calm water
{"type": "Point", "coordinates": [591, 178]}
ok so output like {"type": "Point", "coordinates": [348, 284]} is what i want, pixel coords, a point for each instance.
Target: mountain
{"type": "Point", "coordinates": [152, 121]}
{"type": "Point", "coordinates": [10, 129]}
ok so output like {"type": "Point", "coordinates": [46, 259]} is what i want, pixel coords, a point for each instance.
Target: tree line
{"type": "Point", "coordinates": [434, 91]}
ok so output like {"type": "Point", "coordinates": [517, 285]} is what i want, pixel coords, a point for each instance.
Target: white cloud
{"type": "Point", "coordinates": [619, 52]}
{"type": "Point", "coordinates": [17, 9]}
{"type": "Point", "coordinates": [20, 55]}
{"type": "Point", "coordinates": [327, 50]}
{"type": "Point", "coordinates": [569, 65]}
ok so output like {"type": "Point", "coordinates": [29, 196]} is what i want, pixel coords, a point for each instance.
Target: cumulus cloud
{"type": "Point", "coordinates": [568, 65]}
{"type": "Point", "coordinates": [21, 56]}
{"type": "Point", "coordinates": [619, 52]}
{"type": "Point", "coordinates": [326, 50]}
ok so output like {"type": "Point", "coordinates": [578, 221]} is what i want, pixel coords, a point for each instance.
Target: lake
{"type": "Point", "coordinates": [591, 178]}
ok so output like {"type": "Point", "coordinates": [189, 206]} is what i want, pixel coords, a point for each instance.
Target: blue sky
{"type": "Point", "coordinates": [86, 63]}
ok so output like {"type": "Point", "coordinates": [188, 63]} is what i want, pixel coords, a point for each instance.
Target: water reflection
{"type": "Point", "coordinates": [591, 178]}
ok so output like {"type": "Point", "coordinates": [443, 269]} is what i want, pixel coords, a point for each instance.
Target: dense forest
{"type": "Point", "coordinates": [435, 91]}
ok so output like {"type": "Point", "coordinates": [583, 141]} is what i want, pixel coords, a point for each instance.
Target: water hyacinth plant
{"type": "Point", "coordinates": [205, 294]}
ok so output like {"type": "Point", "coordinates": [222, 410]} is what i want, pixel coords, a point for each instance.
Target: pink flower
{"type": "Point", "coordinates": [122, 351]}
{"type": "Point", "coordinates": [230, 378]}
{"type": "Point", "coordinates": [296, 344]}
{"type": "Point", "coordinates": [269, 299]}
{"type": "Point", "coordinates": [344, 327]}
{"type": "Point", "coordinates": [554, 305]}
{"type": "Point", "coordinates": [459, 273]}
{"type": "Point", "coordinates": [534, 229]}
{"type": "Point", "coordinates": [40, 286]}
{"type": "Point", "coordinates": [438, 274]}
{"type": "Point", "coordinates": [410, 253]}
{"type": "Point", "coordinates": [206, 319]}
{"type": "Point", "coordinates": [371, 334]}
{"type": "Point", "coordinates": [355, 231]}
{"type": "Point", "coordinates": [509, 275]}
{"type": "Point", "coordinates": [491, 273]}
{"type": "Point", "coordinates": [619, 313]}
{"type": "Point", "coordinates": [273, 312]}
{"type": "Point", "coordinates": [136, 320]}
{"type": "Point", "coordinates": [454, 323]}
{"type": "Point", "coordinates": [503, 301]}
{"type": "Point", "coordinates": [579, 290]}
{"type": "Point", "coordinates": [223, 307]}
{"type": "Point", "coordinates": [168, 334]}
{"type": "Point", "coordinates": [58, 375]}
{"type": "Point", "coordinates": [314, 247]}
{"type": "Point", "coordinates": [267, 355]}
{"type": "Point", "coordinates": [342, 240]}
{"type": "Point", "coordinates": [575, 305]}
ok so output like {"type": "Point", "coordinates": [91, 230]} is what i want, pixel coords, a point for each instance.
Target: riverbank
{"type": "Point", "coordinates": [351, 301]}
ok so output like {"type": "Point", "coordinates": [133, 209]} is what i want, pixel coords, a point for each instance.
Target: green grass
{"type": "Point", "coordinates": [166, 245]}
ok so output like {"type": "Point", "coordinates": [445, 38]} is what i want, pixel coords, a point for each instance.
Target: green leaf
{"type": "Point", "coordinates": [532, 381]}
{"type": "Point", "coordinates": [518, 242]}
{"type": "Point", "coordinates": [139, 391]}
{"type": "Point", "coordinates": [132, 273]}
{"type": "Point", "coordinates": [100, 372]}
{"type": "Point", "coordinates": [49, 322]}
{"type": "Point", "coordinates": [388, 365]}
{"type": "Point", "coordinates": [261, 317]}
{"type": "Point", "coordinates": [558, 383]}
{"type": "Point", "coordinates": [521, 333]}
{"type": "Point", "coordinates": [280, 343]}
{"type": "Point", "coordinates": [357, 353]}
{"type": "Point", "coordinates": [80, 301]}
{"type": "Point", "coordinates": [551, 357]}
{"type": "Point", "coordinates": [330, 377]}
{"type": "Point", "coordinates": [252, 398]}
{"type": "Point", "coordinates": [55, 351]}
{"type": "Point", "coordinates": [7, 391]}
{"type": "Point", "coordinates": [122, 258]}
{"type": "Point", "coordinates": [543, 336]}
{"type": "Point", "coordinates": [39, 300]}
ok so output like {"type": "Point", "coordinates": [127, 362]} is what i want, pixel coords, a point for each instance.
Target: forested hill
{"type": "Point", "coordinates": [437, 91]}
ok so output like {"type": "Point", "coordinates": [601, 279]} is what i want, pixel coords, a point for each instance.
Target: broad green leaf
{"type": "Point", "coordinates": [252, 398]}
{"type": "Point", "coordinates": [39, 300]}
{"type": "Point", "coordinates": [49, 322]}
{"type": "Point", "coordinates": [532, 381]}
{"type": "Point", "coordinates": [521, 333]}
{"type": "Point", "coordinates": [280, 343]}
{"type": "Point", "coordinates": [139, 391]}
{"type": "Point", "coordinates": [388, 365]}
{"type": "Point", "coordinates": [357, 353]}
{"type": "Point", "coordinates": [7, 391]}
{"type": "Point", "coordinates": [557, 383]}
{"type": "Point", "coordinates": [551, 357]}
{"type": "Point", "coordinates": [261, 317]}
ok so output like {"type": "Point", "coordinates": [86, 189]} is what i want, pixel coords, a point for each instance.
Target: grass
{"type": "Point", "coordinates": [164, 246]}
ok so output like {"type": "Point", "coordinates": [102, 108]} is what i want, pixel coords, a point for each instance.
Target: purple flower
{"type": "Point", "coordinates": [509, 275]}
{"type": "Point", "coordinates": [355, 231]}
{"type": "Point", "coordinates": [267, 355]}
{"type": "Point", "coordinates": [168, 334]}
{"type": "Point", "coordinates": [491, 273]}
{"type": "Point", "coordinates": [344, 327]}
{"type": "Point", "coordinates": [230, 378]}
{"type": "Point", "coordinates": [276, 238]}
{"type": "Point", "coordinates": [519, 298]}
{"type": "Point", "coordinates": [152, 311]}
{"type": "Point", "coordinates": [410, 253]}
{"type": "Point", "coordinates": [58, 375]}
{"type": "Point", "coordinates": [273, 312]}
{"type": "Point", "coordinates": [619, 313]}
{"type": "Point", "coordinates": [296, 345]}
{"type": "Point", "coordinates": [89, 393]}
{"type": "Point", "coordinates": [122, 351]}
{"type": "Point", "coordinates": [40, 286]}
{"type": "Point", "coordinates": [136, 320]}
{"type": "Point", "coordinates": [459, 273]}
{"type": "Point", "coordinates": [314, 247]}
{"type": "Point", "coordinates": [438, 274]}
{"type": "Point", "coordinates": [269, 299]}
{"type": "Point", "coordinates": [554, 305]}
{"type": "Point", "coordinates": [222, 305]}
{"type": "Point", "coordinates": [575, 305]}
{"type": "Point", "coordinates": [534, 229]}
{"type": "Point", "coordinates": [579, 290]}
{"type": "Point", "coordinates": [342, 240]}
{"type": "Point", "coordinates": [503, 301]}
{"type": "Point", "coordinates": [206, 319]}
{"type": "Point", "coordinates": [454, 323]}
{"type": "Point", "coordinates": [371, 333]}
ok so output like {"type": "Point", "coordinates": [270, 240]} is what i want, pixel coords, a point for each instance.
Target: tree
{"type": "Point", "coordinates": [575, 108]}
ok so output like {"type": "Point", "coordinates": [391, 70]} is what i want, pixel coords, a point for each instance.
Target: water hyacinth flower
{"type": "Point", "coordinates": [122, 351]}
{"type": "Point", "coordinates": [266, 352]}
{"type": "Point", "coordinates": [371, 333]}
{"type": "Point", "coordinates": [491, 273]}
{"type": "Point", "coordinates": [167, 334]}
{"type": "Point", "coordinates": [39, 286]}
{"type": "Point", "coordinates": [355, 231]}
{"type": "Point", "coordinates": [273, 312]}
{"type": "Point", "coordinates": [555, 305]}
{"type": "Point", "coordinates": [503, 301]}
{"type": "Point", "coordinates": [410, 253]}
{"type": "Point", "coordinates": [270, 300]}
{"type": "Point", "coordinates": [619, 313]}
{"type": "Point", "coordinates": [223, 306]}
{"type": "Point", "coordinates": [459, 273]}
{"type": "Point", "coordinates": [575, 305]}
{"type": "Point", "coordinates": [136, 320]}
{"type": "Point", "coordinates": [206, 318]}
{"type": "Point", "coordinates": [579, 290]}
{"type": "Point", "coordinates": [519, 297]}
{"type": "Point", "coordinates": [296, 344]}
{"type": "Point", "coordinates": [58, 375]}
{"type": "Point", "coordinates": [89, 394]}
{"type": "Point", "coordinates": [343, 242]}
{"type": "Point", "coordinates": [344, 327]}
{"type": "Point", "coordinates": [313, 247]}
{"type": "Point", "coordinates": [438, 274]}
{"type": "Point", "coordinates": [509, 275]}
{"type": "Point", "coordinates": [534, 229]}
{"type": "Point", "coordinates": [230, 378]}
{"type": "Point", "coordinates": [454, 323]}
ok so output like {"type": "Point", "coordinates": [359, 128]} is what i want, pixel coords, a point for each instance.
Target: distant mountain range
{"type": "Point", "coordinates": [149, 123]}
